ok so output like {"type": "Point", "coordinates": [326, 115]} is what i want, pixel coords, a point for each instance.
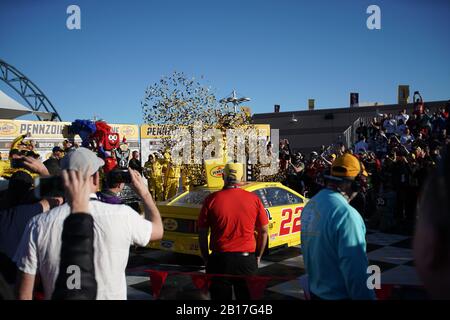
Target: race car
{"type": "Point", "coordinates": [179, 215]}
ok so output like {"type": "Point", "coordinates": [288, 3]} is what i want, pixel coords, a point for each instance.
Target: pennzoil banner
{"type": "Point", "coordinates": [38, 129]}
{"type": "Point", "coordinates": [152, 137]}
{"type": "Point", "coordinates": [48, 134]}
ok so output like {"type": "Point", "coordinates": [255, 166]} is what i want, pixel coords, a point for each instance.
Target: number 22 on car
{"type": "Point", "coordinates": [285, 226]}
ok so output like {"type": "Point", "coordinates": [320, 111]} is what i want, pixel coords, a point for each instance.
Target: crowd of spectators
{"type": "Point", "coordinates": [397, 151]}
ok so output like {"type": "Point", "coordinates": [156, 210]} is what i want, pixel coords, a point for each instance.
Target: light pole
{"type": "Point", "coordinates": [234, 100]}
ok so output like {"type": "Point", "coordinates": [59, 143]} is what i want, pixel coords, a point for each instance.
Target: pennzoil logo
{"type": "Point", "coordinates": [127, 131]}
{"type": "Point", "coordinates": [158, 131]}
{"type": "Point", "coordinates": [7, 128]}
{"type": "Point", "coordinates": [170, 224]}
{"type": "Point", "coordinates": [217, 171]}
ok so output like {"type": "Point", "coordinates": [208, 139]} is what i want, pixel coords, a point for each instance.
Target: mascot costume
{"type": "Point", "coordinates": [106, 142]}
{"type": "Point", "coordinates": [98, 137]}
{"type": "Point", "coordinates": [85, 129]}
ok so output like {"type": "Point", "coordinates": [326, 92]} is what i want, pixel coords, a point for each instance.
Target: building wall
{"type": "Point", "coordinates": [325, 126]}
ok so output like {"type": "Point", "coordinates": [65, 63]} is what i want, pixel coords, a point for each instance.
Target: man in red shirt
{"type": "Point", "coordinates": [232, 215]}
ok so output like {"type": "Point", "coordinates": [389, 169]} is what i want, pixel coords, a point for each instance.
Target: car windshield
{"type": "Point", "coordinates": [195, 197]}
{"type": "Point", "coordinates": [274, 197]}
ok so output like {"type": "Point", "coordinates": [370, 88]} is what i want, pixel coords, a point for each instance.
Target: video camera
{"type": "Point", "coordinates": [18, 163]}
{"type": "Point", "coordinates": [49, 187]}
{"type": "Point", "coordinates": [119, 176]}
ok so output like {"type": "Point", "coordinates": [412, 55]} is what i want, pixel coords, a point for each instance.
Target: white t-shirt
{"type": "Point", "coordinates": [116, 227]}
{"type": "Point", "coordinates": [402, 116]}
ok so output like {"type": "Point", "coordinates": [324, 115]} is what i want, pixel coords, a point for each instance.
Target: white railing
{"type": "Point", "coordinates": [349, 135]}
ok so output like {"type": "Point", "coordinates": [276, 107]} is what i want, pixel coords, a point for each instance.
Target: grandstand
{"type": "Point", "coordinates": [314, 128]}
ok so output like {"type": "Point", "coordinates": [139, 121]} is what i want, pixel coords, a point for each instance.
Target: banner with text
{"type": "Point", "coordinates": [48, 134]}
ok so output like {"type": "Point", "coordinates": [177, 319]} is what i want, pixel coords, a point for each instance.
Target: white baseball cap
{"type": "Point", "coordinates": [83, 160]}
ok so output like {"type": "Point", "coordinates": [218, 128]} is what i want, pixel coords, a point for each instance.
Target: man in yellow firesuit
{"type": "Point", "coordinates": [186, 181]}
{"type": "Point", "coordinates": [4, 165]}
{"type": "Point", "coordinates": [19, 148]}
{"type": "Point", "coordinates": [153, 173]}
{"type": "Point", "coordinates": [172, 173]}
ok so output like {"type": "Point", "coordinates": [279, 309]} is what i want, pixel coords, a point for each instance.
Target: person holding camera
{"type": "Point", "coordinates": [135, 162]}
{"type": "Point", "coordinates": [18, 206]}
{"type": "Point", "coordinates": [53, 163]}
{"type": "Point", "coordinates": [294, 171]}
{"type": "Point", "coordinates": [77, 240]}
{"type": "Point", "coordinates": [115, 182]}
{"type": "Point", "coordinates": [116, 227]}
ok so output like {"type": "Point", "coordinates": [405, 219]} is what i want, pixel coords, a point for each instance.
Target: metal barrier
{"type": "Point", "coordinates": [257, 285]}
{"type": "Point", "coordinates": [349, 136]}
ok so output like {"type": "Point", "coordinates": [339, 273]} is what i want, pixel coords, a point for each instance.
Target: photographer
{"type": "Point", "coordinates": [115, 228]}
{"type": "Point", "coordinates": [53, 163]}
{"type": "Point", "coordinates": [113, 187]}
{"type": "Point", "coordinates": [293, 172]}
{"type": "Point", "coordinates": [19, 206]}
{"type": "Point", "coordinates": [77, 246]}
{"type": "Point", "coordinates": [135, 162]}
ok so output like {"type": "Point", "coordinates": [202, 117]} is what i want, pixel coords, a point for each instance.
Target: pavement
{"type": "Point", "coordinates": [391, 252]}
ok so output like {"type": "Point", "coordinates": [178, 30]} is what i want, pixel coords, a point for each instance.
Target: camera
{"type": "Point", "coordinates": [17, 163]}
{"type": "Point", "coordinates": [119, 176]}
{"type": "Point", "coordinates": [49, 187]}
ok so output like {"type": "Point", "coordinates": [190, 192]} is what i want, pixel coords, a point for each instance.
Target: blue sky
{"type": "Point", "coordinates": [275, 51]}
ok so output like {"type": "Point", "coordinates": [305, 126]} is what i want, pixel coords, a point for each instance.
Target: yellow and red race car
{"type": "Point", "coordinates": [179, 215]}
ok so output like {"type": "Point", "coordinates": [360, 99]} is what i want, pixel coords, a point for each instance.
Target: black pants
{"type": "Point", "coordinates": [232, 263]}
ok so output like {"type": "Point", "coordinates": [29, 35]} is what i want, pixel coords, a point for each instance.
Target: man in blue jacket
{"type": "Point", "coordinates": [333, 236]}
